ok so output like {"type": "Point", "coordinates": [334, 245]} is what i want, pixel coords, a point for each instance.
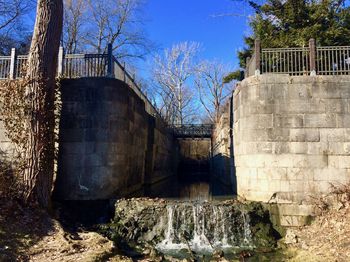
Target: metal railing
{"type": "Point", "coordinates": [333, 60]}
{"type": "Point", "coordinates": [311, 60]}
{"type": "Point", "coordinates": [293, 61]}
{"type": "Point", "coordinates": [78, 65]}
{"type": "Point", "coordinates": [192, 131]}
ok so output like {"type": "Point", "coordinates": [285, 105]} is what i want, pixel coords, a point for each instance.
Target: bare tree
{"type": "Point", "coordinates": [73, 27]}
{"type": "Point", "coordinates": [42, 64]}
{"type": "Point", "coordinates": [11, 10]}
{"type": "Point", "coordinates": [120, 23]}
{"type": "Point", "coordinates": [211, 87]}
{"type": "Point", "coordinates": [172, 73]}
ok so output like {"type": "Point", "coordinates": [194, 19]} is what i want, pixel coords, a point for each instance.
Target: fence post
{"type": "Point", "coordinates": [246, 73]}
{"type": "Point", "coordinates": [312, 47]}
{"type": "Point", "coordinates": [110, 71]}
{"type": "Point", "coordinates": [13, 64]}
{"type": "Point", "coordinates": [257, 56]}
{"type": "Point", "coordinates": [60, 61]}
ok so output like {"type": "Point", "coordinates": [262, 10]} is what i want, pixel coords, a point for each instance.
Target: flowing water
{"type": "Point", "coordinates": [204, 227]}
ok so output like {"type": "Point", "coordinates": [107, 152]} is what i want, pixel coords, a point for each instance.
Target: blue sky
{"type": "Point", "coordinates": [173, 21]}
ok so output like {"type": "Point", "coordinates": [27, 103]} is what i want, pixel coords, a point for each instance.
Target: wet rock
{"type": "Point", "coordinates": [218, 253]}
{"type": "Point", "coordinates": [151, 222]}
{"type": "Point", "coordinates": [290, 237]}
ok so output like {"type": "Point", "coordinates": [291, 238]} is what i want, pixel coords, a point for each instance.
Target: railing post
{"type": "Point", "coordinates": [246, 73]}
{"type": "Point", "coordinates": [13, 64]}
{"type": "Point", "coordinates": [60, 62]}
{"type": "Point", "coordinates": [110, 62]}
{"type": "Point", "coordinates": [312, 47]}
{"type": "Point", "coordinates": [257, 56]}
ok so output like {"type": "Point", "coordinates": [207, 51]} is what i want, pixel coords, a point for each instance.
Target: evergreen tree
{"type": "Point", "coordinates": [291, 23]}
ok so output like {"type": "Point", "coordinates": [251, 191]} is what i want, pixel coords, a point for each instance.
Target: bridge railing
{"type": "Point", "coordinates": [200, 130]}
{"type": "Point", "coordinates": [79, 65]}
{"type": "Point", "coordinates": [311, 60]}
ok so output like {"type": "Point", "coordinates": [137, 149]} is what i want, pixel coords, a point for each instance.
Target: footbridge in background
{"type": "Point", "coordinates": [192, 130]}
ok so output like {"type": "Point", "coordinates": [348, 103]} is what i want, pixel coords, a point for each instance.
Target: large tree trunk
{"type": "Point", "coordinates": [42, 65]}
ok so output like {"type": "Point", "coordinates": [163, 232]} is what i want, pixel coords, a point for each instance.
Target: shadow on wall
{"type": "Point", "coordinates": [223, 170]}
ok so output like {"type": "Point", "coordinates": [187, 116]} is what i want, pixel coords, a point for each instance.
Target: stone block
{"type": "Point", "coordinates": [339, 161]}
{"type": "Point", "coordinates": [281, 148]}
{"type": "Point", "coordinates": [304, 135]}
{"type": "Point", "coordinates": [343, 120]}
{"type": "Point", "coordinates": [317, 148]}
{"type": "Point", "coordinates": [285, 121]}
{"type": "Point", "coordinates": [278, 134]}
{"type": "Point", "coordinates": [326, 90]}
{"type": "Point", "coordinates": [298, 147]}
{"type": "Point", "coordinates": [332, 134]}
{"type": "Point", "coordinates": [280, 92]}
{"type": "Point", "coordinates": [319, 120]}
{"type": "Point", "coordinates": [296, 210]}
{"type": "Point", "coordinates": [300, 174]}
{"type": "Point", "coordinates": [300, 91]}
{"type": "Point", "coordinates": [339, 106]}
{"type": "Point", "coordinates": [266, 93]}
{"type": "Point", "coordinates": [274, 186]}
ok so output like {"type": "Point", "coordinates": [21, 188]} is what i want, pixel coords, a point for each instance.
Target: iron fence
{"type": "Point", "coordinates": [311, 60]}
{"type": "Point", "coordinates": [333, 60]}
{"type": "Point", "coordinates": [78, 65]}
{"type": "Point", "coordinates": [293, 61]}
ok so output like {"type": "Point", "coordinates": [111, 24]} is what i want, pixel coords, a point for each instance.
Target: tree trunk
{"type": "Point", "coordinates": [42, 65]}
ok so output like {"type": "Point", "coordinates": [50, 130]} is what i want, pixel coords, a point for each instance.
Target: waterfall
{"type": "Point", "coordinates": [203, 227]}
{"type": "Point", "coordinates": [247, 233]}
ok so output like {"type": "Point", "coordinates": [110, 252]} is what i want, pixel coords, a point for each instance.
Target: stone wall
{"type": "Point", "coordinates": [222, 162]}
{"type": "Point", "coordinates": [109, 146]}
{"type": "Point", "coordinates": [194, 154]}
{"type": "Point", "coordinates": [291, 139]}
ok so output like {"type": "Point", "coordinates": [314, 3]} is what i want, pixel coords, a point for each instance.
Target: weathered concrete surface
{"type": "Point", "coordinates": [291, 139]}
{"type": "Point", "coordinates": [109, 146]}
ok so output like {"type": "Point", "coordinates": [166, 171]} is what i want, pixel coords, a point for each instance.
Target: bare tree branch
{"type": "Point", "coordinates": [172, 73]}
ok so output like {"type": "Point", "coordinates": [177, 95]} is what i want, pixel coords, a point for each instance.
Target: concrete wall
{"type": "Point", "coordinates": [109, 146]}
{"type": "Point", "coordinates": [291, 138]}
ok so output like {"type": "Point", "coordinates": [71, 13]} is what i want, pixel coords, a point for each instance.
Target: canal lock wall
{"type": "Point", "coordinates": [291, 141]}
